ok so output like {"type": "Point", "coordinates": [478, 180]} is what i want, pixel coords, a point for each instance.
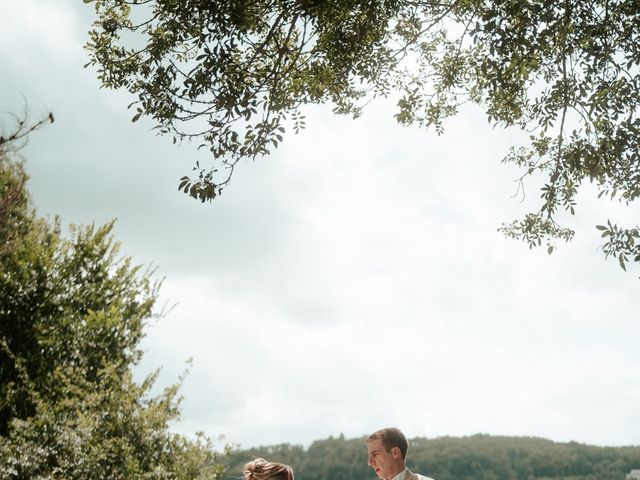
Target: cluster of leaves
{"type": "Point", "coordinates": [478, 457]}
{"type": "Point", "coordinates": [234, 75]}
{"type": "Point", "coordinates": [231, 74]}
{"type": "Point", "coordinates": [622, 243]}
{"type": "Point", "coordinates": [72, 313]}
{"type": "Point", "coordinates": [572, 70]}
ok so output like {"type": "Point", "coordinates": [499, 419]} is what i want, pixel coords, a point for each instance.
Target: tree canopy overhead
{"type": "Point", "coordinates": [234, 75]}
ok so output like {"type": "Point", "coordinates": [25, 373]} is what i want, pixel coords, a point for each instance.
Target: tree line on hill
{"type": "Point", "coordinates": [478, 457]}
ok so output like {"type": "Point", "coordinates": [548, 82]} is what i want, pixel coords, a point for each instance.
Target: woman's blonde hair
{"type": "Point", "coordinates": [260, 469]}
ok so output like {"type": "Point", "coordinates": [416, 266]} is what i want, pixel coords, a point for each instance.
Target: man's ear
{"type": "Point", "coordinates": [395, 451]}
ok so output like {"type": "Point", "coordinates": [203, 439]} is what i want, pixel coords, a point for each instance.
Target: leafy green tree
{"type": "Point", "coordinates": [72, 313]}
{"type": "Point", "coordinates": [15, 217]}
{"type": "Point", "coordinates": [234, 76]}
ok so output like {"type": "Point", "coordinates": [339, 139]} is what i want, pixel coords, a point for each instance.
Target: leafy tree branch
{"type": "Point", "coordinates": [235, 76]}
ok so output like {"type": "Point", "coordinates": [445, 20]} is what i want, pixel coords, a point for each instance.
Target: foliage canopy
{"type": "Point", "coordinates": [235, 76]}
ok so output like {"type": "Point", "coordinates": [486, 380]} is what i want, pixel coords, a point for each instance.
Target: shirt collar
{"type": "Point", "coordinates": [402, 475]}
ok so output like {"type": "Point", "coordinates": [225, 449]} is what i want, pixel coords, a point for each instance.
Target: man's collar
{"type": "Point", "coordinates": [402, 475]}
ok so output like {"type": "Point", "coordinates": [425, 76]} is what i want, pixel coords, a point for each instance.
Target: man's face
{"type": "Point", "coordinates": [384, 463]}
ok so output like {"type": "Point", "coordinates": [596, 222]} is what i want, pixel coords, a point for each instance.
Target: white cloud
{"type": "Point", "coordinates": [34, 31]}
{"type": "Point", "coordinates": [351, 281]}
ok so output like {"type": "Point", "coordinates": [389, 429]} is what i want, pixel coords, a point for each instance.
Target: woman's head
{"type": "Point", "coordinates": [260, 469]}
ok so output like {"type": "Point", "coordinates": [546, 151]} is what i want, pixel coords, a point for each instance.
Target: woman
{"type": "Point", "coordinates": [260, 469]}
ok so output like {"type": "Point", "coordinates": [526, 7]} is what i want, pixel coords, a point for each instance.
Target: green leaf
{"type": "Point", "coordinates": [621, 261]}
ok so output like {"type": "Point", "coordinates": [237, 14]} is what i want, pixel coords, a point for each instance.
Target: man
{"type": "Point", "coordinates": [387, 453]}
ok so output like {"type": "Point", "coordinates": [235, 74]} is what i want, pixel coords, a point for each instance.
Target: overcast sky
{"type": "Point", "coordinates": [354, 280]}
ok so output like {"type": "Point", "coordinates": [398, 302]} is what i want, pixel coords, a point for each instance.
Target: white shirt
{"type": "Point", "coordinates": [404, 475]}
{"type": "Point", "coordinates": [401, 476]}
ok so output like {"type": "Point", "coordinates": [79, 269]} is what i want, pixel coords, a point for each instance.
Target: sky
{"type": "Point", "coordinates": [353, 280]}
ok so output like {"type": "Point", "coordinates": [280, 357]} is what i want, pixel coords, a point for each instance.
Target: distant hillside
{"type": "Point", "coordinates": [479, 457]}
